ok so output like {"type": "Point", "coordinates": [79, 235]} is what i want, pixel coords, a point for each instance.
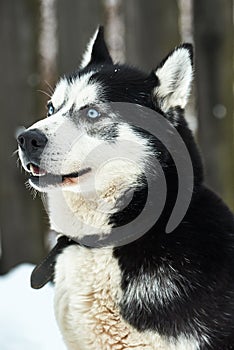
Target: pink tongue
{"type": "Point", "coordinates": [36, 169]}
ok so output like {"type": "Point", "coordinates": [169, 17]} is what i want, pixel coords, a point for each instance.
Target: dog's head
{"type": "Point", "coordinates": [79, 120]}
{"type": "Point", "coordinates": [85, 145]}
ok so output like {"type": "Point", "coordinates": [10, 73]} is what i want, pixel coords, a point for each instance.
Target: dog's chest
{"type": "Point", "coordinates": [87, 293]}
{"type": "Point", "coordinates": [87, 290]}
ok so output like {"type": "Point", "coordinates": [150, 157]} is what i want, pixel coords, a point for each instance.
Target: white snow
{"type": "Point", "coordinates": [26, 316]}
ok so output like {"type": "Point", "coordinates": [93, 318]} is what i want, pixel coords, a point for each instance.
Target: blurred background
{"type": "Point", "coordinates": [43, 39]}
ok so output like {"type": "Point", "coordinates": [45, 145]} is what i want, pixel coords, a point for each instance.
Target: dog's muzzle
{"type": "Point", "coordinates": [32, 143]}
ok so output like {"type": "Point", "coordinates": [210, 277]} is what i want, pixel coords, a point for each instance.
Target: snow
{"type": "Point", "coordinates": [26, 316]}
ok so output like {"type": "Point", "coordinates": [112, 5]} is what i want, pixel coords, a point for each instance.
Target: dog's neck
{"type": "Point", "coordinates": [78, 215]}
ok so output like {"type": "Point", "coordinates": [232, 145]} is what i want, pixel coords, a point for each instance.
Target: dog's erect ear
{"type": "Point", "coordinates": [96, 52]}
{"type": "Point", "coordinates": [175, 75]}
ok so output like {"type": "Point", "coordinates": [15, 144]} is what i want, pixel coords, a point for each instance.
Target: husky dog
{"type": "Point", "coordinates": [160, 291]}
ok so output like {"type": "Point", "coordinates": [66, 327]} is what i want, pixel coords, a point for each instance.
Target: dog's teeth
{"type": "Point", "coordinates": [31, 168]}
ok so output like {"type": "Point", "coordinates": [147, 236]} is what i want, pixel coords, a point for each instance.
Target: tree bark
{"type": "Point", "coordinates": [77, 22]}
{"type": "Point", "coordinates": [153, 31]}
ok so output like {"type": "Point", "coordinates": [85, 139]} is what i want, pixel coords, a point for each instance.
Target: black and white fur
{"type": "Point", "coordinates": [163, 291]}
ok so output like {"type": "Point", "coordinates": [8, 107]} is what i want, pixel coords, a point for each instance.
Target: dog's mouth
{"type": "Point", "coordinates": [41, 178]}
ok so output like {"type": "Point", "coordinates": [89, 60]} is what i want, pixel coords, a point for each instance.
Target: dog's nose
{"type": "Point", "coordinates": [32, 141]}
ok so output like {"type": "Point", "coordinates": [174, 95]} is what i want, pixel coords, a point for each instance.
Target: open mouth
{"type": "Point", "coordinates": [41, 178]}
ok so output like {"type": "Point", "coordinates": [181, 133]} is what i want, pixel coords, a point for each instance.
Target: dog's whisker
{"type": "Point", "coordinates": [27, 185]}
{"type": "Point", "coordinates": [18, 162]}
{"type": "Point", "coordinates": [45, 93]}
{"type": "Point", "coordinates": [50, 87]}
{"type": "Point", "coordinates": [15, 152]}
{"type": "Point", "coordinates": [32, 190]}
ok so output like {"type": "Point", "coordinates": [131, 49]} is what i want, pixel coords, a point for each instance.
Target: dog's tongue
{"type": "Point", "coordinates": [70, 180]}
{"type": "Point", "coordinates": [36, 170]}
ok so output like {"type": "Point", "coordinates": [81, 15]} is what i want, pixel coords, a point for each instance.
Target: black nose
{"type": "Point", "coordinates": [32, 141]}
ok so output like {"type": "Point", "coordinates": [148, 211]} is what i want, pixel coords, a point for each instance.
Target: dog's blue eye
{"type": "Point", "coordinates": [50, 109]}
{"type": "Point", "coordinates": [93, 113]}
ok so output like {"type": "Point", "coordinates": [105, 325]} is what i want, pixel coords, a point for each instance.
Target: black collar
{"type": "Point", "coordinates": [44, 272]}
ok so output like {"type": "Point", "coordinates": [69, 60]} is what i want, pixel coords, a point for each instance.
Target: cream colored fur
{"type": "Point", "coordinates": [87, 292]}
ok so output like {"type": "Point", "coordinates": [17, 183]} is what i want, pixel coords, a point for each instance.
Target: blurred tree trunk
{"type": "Point", "coordinates": [77, 22]}
{"type": "Point", "coordinates": [115, 29]}
{"type": "Point", "coordinates": [154, 31]}
{"type": "Point", "coordinates": [213, 26]}
{"type": "Point", "coordinates": [20, 217]}
{"type": "Point", "coordinates": [47, 51]}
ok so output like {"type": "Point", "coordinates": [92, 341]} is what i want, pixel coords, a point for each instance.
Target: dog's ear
{"type": "Point", "coordinates": [175, 75]}
{"type": "Point", "coordinates": [97, 51]}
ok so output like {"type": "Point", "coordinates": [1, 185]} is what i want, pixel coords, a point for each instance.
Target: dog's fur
{"type": "Point", "coordinates": [163, 291]}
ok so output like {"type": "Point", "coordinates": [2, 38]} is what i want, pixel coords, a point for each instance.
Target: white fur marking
{"type": "Point", "coordinates": [79, 92]}
{"type": "Point", "coordinates": [88, 53]}
{"type": "Point", "coordinates": [59, 95]}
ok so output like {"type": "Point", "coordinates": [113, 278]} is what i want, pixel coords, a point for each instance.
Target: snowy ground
{"type": "Point", "coordinates": [26, 315]}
